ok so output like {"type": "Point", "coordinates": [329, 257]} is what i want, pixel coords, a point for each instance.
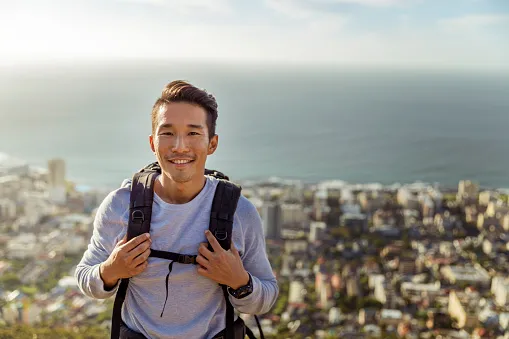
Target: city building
{"type": "Point", "coordinates": [410, 289]}
{"type": "Point", "coordinates": [485, 197]}
{"type": "Point", "coordinates": [271, 220]}
{"type": "Point", "coordinates": [467, 191]}
{"type": "Point", "coordinates": [390, 317]}
{"type": "Point", "coordinates": [293, 215]}
{"type": "Point", "coordinates": [296, 292]}
{"type": "Point", "coordinates": [500, 289]}
{"type": "Point", "coordinates": [7, 209]}
{"type": "Point", "coordinates": [469, 275]}
{"type": "Point", "coordinates": [317, 231]}
{"type": "Point", "coordinates": [463, 307]}
{"type": "Point", "coordinates": [56, 181]}
{"type": "Point", "coordinates": [367, 316]}
{"type": "Point", "coordinates": [355, 223]}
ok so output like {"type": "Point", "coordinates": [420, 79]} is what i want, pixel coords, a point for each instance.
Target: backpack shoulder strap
{"type": "Point", "coordinates": [140, 214]}
{"type": "Point", "coordinates": [223, 209]}
{"type": "Point", "coordinates": [140, 207]}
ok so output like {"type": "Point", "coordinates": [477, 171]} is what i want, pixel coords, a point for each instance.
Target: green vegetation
{"type": "Point", "coordinates": [421, 315]}
{"type": "Point", "coordinates": [9, 281]}
{"type": "Point", "coordinates": [340, 233]}
{"type": "Point", "coordinates": [29, 290]}
{"type": "Point", "coordinates": [449, 197]}
{"type": "Point", "coordinates": [354, 304]}
{"type": "Point", "coordinates": [44, 332]}
{"type": "Point", "coordinates": [282, 301]}
{"type": "Point", "coordinates": [105, 315]}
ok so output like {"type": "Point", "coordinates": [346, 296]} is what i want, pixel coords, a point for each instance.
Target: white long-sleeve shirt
{"type": "Point", "coordinates": [195, 307]}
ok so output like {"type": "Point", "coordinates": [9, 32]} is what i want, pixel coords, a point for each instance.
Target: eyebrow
{"type": "Point", "coordinates": [189, 125]}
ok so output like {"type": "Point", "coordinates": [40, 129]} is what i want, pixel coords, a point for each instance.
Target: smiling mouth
{"type": "Point", "coordinates": [181, 161]}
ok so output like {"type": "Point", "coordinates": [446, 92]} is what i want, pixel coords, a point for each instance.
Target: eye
{"type": "Point", "coordinates": [166, 133]}
{"type": "Point", "coordinates": [194, 133]}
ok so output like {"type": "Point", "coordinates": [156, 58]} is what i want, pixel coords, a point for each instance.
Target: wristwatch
{"type": "Point", "coordinates": [242, 291]}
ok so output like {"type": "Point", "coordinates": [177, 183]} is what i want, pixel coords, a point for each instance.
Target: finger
{"type": "Point", "coordinates": [213, 241]}
{"type": "Point", "coordinates": [122, 241]}
{"type": "Point", "coordinates": [139, 250]}
{"type": "Point", "coordinates": [204, 251]}
{"type": "Point", "coordinates": [203, 272]}
{"type": "Point", "coordinates": [141, 258]}
{"type": "Point", "coordinates": [203, 262]}
{"type": "Point", "coordinates": [136, 241]}
{"type": "Point", "coordinates": [140, 268]}
{"type": "Point", "coordinates": [234, 250]}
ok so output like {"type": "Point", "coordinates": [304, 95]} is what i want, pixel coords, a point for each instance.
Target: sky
{"type": "Point", "coordinates": [415, 33]}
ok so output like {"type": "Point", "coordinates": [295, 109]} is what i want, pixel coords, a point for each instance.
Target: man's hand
{"type": "Point", "coordinates": [126, 260]}
{"type": "Point", "coordinates": [224, 267]}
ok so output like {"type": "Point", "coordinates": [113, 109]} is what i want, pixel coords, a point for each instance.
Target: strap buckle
{"type": "Point", "coordinates": [187, 259]}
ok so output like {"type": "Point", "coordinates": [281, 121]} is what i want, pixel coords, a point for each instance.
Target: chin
{"type": "Point", "coordinates": [181, 180]}
{"type": "Point", "coordinates": [181, 177]}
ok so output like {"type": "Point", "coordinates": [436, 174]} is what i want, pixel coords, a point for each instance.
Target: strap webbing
{"type": "Point", "coordinates": [180, 258]}
{"type": "Point", "coordinates": [140, 214]}
{"type": "Point", "coordinates": [223, 209]}
{"type": "Point", "coordinates": [229, 330]}
{"type": "Point", "coordinates": [259, 328]}
{"type": "Point", "coordinates": [116, 317]}
{"type": "Point", "coordinates": [250, 333]}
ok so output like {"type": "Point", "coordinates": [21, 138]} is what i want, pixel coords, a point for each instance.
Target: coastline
{"type": "Point", "coordinates": [8, 162]}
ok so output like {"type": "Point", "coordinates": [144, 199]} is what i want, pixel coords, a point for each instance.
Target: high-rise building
{"type": "Point", "coordinates": [56, 181]}
{"type": "Point", "coordinates": [293, 215]}
{"type": "Point", "coordinates": [500, 289]}
{"type": "Point", "coordinates": [271, 219]}
{"type": "Point", "coordinates": [317, 231]}
{"type": "Point", "coordinates": [296, 292]}
{"type": "Point", "coordinates": [467, 190]}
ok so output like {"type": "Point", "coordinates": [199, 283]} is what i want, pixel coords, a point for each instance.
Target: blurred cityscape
{"type": "Point", "coordinates": [352, 260]}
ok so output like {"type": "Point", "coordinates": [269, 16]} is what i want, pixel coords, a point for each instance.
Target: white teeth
{"type": "Point", "coordinates": [181, 161]}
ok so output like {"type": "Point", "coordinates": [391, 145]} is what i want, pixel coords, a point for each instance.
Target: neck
{"type": "Point", "coordinates": [178, 193]}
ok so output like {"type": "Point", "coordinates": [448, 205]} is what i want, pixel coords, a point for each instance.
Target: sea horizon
{"type": "Point", "coordinates": [371, 125]}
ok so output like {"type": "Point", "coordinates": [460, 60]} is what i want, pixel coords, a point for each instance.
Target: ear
{"type": "Point", "coordinates": [151, 141]}
{"type": "Point", "coordinates": [213, 144]}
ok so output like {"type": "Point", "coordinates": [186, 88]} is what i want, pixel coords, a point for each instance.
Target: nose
{"type": "Point", "coordinates": [180, 145]}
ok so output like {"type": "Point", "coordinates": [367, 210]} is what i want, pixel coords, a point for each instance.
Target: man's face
{"type": "Point", "coordinates": [181, 141]}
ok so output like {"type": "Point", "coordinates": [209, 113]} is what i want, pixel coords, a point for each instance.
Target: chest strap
{"type": "Point", "coordinates": [180, 258]}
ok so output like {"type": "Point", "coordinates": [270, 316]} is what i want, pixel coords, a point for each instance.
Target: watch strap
{"type": "Point", "coordinates": [242, 291]}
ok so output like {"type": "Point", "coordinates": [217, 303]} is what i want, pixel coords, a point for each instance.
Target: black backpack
{"type": "Point", "coordinates": [221, 222]}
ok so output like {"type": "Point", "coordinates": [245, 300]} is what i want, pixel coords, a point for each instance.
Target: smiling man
{"type": "Point", "coordinates": [189, 303]}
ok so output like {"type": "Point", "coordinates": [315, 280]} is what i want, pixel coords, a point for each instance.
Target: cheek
{"type": "Point", "coordinates": [161, 143]}
{"type": "Point", "coordinates": [201, 146]}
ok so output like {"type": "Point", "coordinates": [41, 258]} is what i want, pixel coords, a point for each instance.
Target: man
{"type": "Point", "coordinates": [192, 304]}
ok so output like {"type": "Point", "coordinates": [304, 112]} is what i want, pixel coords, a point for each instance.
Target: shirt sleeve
{"type": "Point", "coordinates": [109, 228]}
{"type": "Point", "coordinates": [256, 263]}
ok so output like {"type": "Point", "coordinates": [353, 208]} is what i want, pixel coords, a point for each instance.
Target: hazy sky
{"type": "Point", "coordinates": [437, 33]}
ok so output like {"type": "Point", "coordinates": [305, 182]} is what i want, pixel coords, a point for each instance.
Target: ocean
{"type": "Point", "coordinates": [360, 125]}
